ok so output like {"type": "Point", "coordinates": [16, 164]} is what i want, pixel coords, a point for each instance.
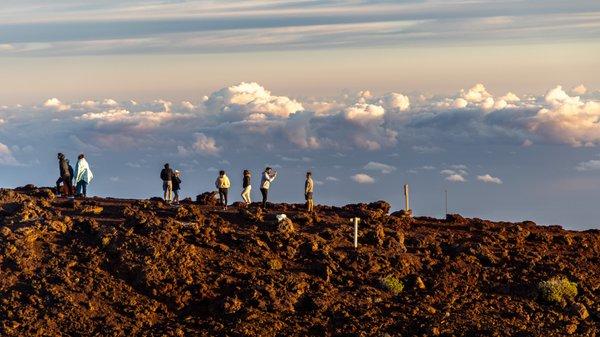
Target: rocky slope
{"type": "Point", "coordinates": [129, 268]}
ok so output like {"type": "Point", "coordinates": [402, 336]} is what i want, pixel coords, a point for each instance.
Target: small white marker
{"type": "Point", "coordinates": [356, 221]}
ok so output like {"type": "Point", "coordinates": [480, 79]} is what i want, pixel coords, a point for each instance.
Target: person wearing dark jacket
{"type": "Point", "coordinates": [166, 175]}
{"type": "Point", "coordinates": [71, 172]}
{"type": "Point", "coordinates": [176, 186]}
{"type": "Point", "coordinates": [246, 187]}
{"type": "Point", "coordinates": [65, 175]}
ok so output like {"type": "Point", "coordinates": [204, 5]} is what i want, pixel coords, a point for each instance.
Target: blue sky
{"type": "Point", "coordinates": [495, 101]}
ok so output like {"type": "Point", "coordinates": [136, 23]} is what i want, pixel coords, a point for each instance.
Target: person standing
{"type": "Point", "coordinates": [83, 175]}
{"type": "Point", "coordinates": [246, 187]}
{"type": "Point", "coordinates": [71, 172]}
{"type": "Point", "coordinates": [176, 186]}
{"type": "Point", "coordinates": [308, 192]}
{"type": "Point", "coordinates": [222, 183]}
{"type": "Point", "coordinates": [65, 175]}
{"type": "Point", "coordinates": [267, 178]}
{"type": "Point", "coordinates": [167, 178]}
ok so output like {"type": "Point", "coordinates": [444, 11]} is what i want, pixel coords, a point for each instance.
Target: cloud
{"type": "Point", "coordinates": [456, 178]}
{"type": "Point", "coordinates": [579, 90]}
{"type": "Point", "coordinates": [510, 97]}
{"type": "Point", "coordinates": [364, 114]}
{"type": "Point", "coordinates": [206, 145]}
{"type": "Point", "coordinates": [395, 101]}
{"type": "Point", "coordinates": [56, 104]}
{"type": "Point", "coordinates": [248, 98]}
{"type": "Point", "coordinates": [476, 94]}
{"type": "Point", "coordinates": [188, 105]}
{"type": "Point", "coordinates": [460, 103]}
{"type": "Point", "coordinates": [6, 156]}
{"type": "Point", "coordinates": [568, 120]}
{"type": "Point", "coordinates": [456, 173]}
{"type": "Point", "coordinates": [590, 165]}
{"type": "Point", "coordinates": [330, 178]}
{"type": "Point", "coordinates": [381, 167]}
{"type": "Point", "coordinates": [363, 178]}
{"type": "Point", "coordinates": [489, 179]}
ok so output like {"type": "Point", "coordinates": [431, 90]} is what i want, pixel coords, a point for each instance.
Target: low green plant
{"type": "Point", "coordinates": [392, 284]}
{"type": "Point", "coordinates": [557, 290]}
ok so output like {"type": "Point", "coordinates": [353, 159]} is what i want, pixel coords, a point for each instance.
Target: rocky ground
{"type": "Point", "coordinates": [110, 267]}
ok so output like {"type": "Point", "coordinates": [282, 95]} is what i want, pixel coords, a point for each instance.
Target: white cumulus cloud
{"type": "Point", "coordinates": [456, 178]}
{"type": "Point", "coordinates": [56, 104]}
{"type": "Point", "coordinates": [206, 145]}
{"type": "Point", "coordinates": [489, 179]}
{"type": "Point", "coordinates": [363, 178]}
{"type": "Point", "coordinates": [381, 167]}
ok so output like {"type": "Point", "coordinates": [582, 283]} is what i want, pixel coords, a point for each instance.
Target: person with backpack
{"type": "Point", "coordinates": [308, 192]}
{"type": "Point", "coordinates": [176, 186]}
{"type": "Point", "coordinates": [267, 178]}
{"type": "Point", "coordinates": [246, 187]}
{"type": "Point", "coordinates": [222, 183]}
{"type": "Point", "coordinates": [83, 175]}
{"type": "Point", "coordinates": [166, 175]}
{"type": "Point", "coordinates": [65, 175]}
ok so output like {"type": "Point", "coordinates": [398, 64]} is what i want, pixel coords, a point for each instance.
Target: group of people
{"type": "Point", "coordinates": [82, 175]}
{"type": "Point", "coordinates": [74, 181]}
{"type": "Point", "coordinates": [171, 184]}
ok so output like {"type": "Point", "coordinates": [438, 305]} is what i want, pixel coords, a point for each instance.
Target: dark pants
{"type": "Point", "coordinates": [68, 183]}
{"type": "Point", "coordinates": [82, 188]}
{"type": "Point", "coordinates": [223, 195]}
{"type": "Point", "coordinates": [265, 196]}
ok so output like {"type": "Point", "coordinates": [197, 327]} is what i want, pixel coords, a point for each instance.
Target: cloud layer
{"type": "Point", "coordinates": [117, 27]}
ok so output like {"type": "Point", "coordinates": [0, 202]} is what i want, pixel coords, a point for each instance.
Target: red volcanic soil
{"type": "Point", "coordinates": [110, 267]}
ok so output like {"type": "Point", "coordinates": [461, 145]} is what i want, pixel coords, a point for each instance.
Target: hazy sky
{"type": "Point", "coordinates": [496, 101]}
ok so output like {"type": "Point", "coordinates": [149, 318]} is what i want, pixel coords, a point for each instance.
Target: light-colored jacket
{"type": "Point", "coordinates": [308, 186]}
{"type": "Point", "coordinates": [83, 172]}
{"type": "Point", "coordinates": [223, 182]}
{"type": "Point", "coordinates": [266, 180]}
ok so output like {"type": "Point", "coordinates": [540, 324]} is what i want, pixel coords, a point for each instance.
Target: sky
{"type": "Point", "coordinates": [497, 102]}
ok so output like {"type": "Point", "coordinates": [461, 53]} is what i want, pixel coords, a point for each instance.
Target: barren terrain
{"type": "Point", "coordinates": [111, 267]}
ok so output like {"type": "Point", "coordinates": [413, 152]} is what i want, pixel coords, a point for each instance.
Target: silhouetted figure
{"type": "Point", "coordinates": [167, 178]}
{"type": "Point", "coordinates": [83, 175]}
{"type": "Point", "coordinates": [246, 187]}
{"type": "Point", "coordinates": [308, 192]}
{"type": "Point", "coordinates": [65, 175]}
{"type": "Point", "coordinates": [267, 178]}
{"type": "Point", "coordinates": [222, 183]}
{"type": "Point", "coordinates": [176, 186]}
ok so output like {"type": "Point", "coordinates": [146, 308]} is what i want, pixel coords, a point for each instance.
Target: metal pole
{"type": "Point", "coordinates": [446, 193]}
{"type": "Point", "coordinates": [406, 200]}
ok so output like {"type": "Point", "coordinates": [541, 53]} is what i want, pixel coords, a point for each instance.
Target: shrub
{"type": "Point", "coordinates": [392, 284]}
{"type": "Point", "coordinates": [557, 290]}
{"type": "Point", "coordinates": [275, 264]}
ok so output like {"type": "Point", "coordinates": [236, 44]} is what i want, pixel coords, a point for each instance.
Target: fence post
{"type": "Point", "coordinates": [355, 221]}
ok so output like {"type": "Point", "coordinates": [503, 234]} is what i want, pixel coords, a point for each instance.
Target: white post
{"type": "Point", "coordinates": [355, 220]}
{"type": "Point", "coordinates": [406, 200]}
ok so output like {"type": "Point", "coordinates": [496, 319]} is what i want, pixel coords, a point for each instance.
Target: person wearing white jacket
{"type": "Point", "coordinates": [83, 175]}
{"type": "Point", "coordinates": [267, 178]}
{"type": "Point", "coordinates": [222, 184]}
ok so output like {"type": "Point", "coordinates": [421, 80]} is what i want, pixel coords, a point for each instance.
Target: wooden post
{"type": "Point", "coordinates": [406, 200]}
{"type": "Point", "coordinates": [355, 221]}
